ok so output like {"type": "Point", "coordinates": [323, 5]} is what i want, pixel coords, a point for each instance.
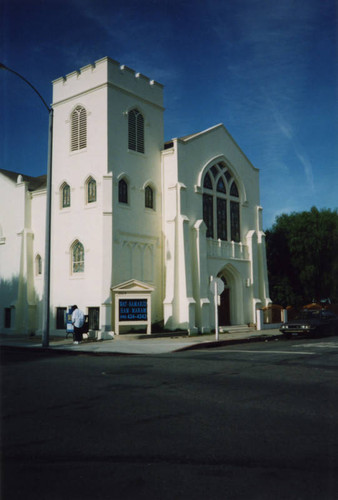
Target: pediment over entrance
{"type": "Point", "coordinates": [132, 286]}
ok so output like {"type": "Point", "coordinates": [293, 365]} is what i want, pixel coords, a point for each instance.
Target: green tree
{"type": "Point", "coordinates": [302, 255]}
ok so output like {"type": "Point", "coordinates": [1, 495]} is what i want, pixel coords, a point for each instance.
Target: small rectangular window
{"type": "Point", "coordinates": [61, 318]}
{"type": "Point", "coordinates": [7, 317]}
{"type": "Point", "coordinates": [94, 318]}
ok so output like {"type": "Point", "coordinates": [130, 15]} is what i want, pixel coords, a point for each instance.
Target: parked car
{"type": "Point", "coordinates": [311, 323]}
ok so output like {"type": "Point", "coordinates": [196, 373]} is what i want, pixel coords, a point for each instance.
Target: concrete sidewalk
{"type": "Point", "coordinates": [139, 343]}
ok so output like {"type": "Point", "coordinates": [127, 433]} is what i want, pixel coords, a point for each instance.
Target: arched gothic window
{"type": "Point", "coordinates": [65, 195]}
{"type": "Point", "coordinates": [123, 191]}
{"type": "Point", "coordinates": [91, 190]}
{"type": "Point", "coordinates": [78, 138]}
{"type": "Point", "coordinates": [221, 208]}
{"type": "Point", "coordinates": [136, 131]}
{"type": "Point", "coordinates": [148, 197]}
{"type": "Point", "coordinates": [77, 257]}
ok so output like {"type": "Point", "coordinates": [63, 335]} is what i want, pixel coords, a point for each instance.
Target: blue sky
{"type": "Point", "coordinates": [267, 70]}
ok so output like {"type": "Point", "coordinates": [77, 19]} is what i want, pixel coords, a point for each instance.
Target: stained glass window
{"type": "Point", "coordinates": [221, 186]}
{"type": "Point", "coordinates": [208, 214]}
{"type": "Point", "coordinates": [221, 218]}
{"type": "Point", "coordinates": [78, 258]}
{"type": "Point", "coordinates": [149, 197]}
{"type": "Point", "coordinates": [91, 190]}
{"type": "Point", "coordinates": [234, 190]}
{"type": "Point", "coordinates": [235, 223]}
{"type": "Point", "coordinates": [220, 214]}
{"type": "Point", "coordinates": [207, 182]}
{"type": "Point", "coordinates": [65, 196]}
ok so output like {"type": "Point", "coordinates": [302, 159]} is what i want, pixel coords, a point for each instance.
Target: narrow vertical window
{"type": "Point", "coordinates": [123, 191]}
{"type": "Point", "coordinates": [235, 223]}
{"type": "Point", "coordinates": [94, 318]}
{"type": "Point", "coordinates": [78, 129]}
{"type": "Point", "coordinates": [149, 197]}
{"type": "Point", "coordinates": [65, 190]}
{"type": "Point", "coordinates": [221, 218]}
{"type": "Point", "coordinates": [136, 131]}
{"type": "Point", "coordinates": [78, 258]}
{"type": "Point", "coordinates": [91, 190]}
{"type": "Point", "coordinates": [7, 319]}
{"type": "Point", "coordinates": [38, 265]}
{"type": "Point", "coordinates": [61, 318]}
{"type": "Point", "coordinates": [208, 214]}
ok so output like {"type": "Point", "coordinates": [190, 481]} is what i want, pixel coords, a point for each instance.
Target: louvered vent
{"type": "Point", "coordinates": [136, 131]}
{"type": "Point", "coordinates": [79, 129]}
{"type": "Point", "coordinates": [132, 130]}
{"type": "Point", "coordinates": [140, 134]}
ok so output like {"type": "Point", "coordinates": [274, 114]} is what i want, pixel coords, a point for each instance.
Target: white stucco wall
{"type": "Point", "coordinates": [81, 221]}
{"type": "Point", "coordinates": [17, 288]}
{"type": "Point", "coordinates": [121, 241]}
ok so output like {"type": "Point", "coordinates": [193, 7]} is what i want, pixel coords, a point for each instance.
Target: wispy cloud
{"type": "Point", "coordinates": [287, 131]}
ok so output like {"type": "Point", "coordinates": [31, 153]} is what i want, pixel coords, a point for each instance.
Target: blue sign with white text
{"type": "Point", "coordinates": [133, 310]}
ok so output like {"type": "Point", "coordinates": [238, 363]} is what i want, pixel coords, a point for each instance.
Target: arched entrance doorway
{"type": "Point", "coordinates": [224, 307]}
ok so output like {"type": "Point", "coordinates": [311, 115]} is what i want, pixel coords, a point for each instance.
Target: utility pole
{"type": "Point", "coordinates": [46, 295]}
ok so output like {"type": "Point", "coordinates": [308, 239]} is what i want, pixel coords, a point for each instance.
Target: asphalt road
{"type": "Point", "coordinates": [253, 421]}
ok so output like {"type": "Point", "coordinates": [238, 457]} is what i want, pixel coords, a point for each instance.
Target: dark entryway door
{"type": "Point", "coordinates": [224, 308]}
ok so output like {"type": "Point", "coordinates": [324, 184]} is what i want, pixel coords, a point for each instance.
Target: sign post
{"type": "Point", "coordinates": [216, 288]}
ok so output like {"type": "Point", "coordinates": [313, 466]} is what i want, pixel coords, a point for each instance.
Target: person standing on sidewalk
{"type": "Point", "coordinates": [78, 320]}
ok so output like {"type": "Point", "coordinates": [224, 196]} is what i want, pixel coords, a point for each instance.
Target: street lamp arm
{"type": "Point", "coordinates": [2, 66]}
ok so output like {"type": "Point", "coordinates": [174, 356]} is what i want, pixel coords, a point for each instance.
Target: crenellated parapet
{"type": "Point", "coordinates": [109, 72]}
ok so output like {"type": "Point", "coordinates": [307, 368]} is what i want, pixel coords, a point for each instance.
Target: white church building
{"type": "Point", "coordinates": [131, 213]}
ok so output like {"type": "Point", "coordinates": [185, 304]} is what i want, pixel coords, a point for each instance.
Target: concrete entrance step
{"type": "Point", "coordinates": [237, 329]}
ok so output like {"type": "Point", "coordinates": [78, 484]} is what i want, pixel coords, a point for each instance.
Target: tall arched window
{"type": "Point", "coordinates": [136, 131]}
{"type": "Point", "coordinates": [148, 197]}
{"type": "Point", "coordinates": [123, 191]}
{"type": "Point", "coordinates": [78, 139]}
{"type": "Point", "coordinates": [77, 257]}
{"type": "Point", "coordinates": [221, 208]}
{"type": "Point", "coordinates": [91, 190]}
{"type": "Point", "coordinates": [65, 195]}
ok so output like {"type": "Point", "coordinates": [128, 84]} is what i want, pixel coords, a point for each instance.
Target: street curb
{"type": "Point", "coordinates": [220, 343]}
{"type": "Point", "coordinates": [52, 350]}
{"type": "Point", "coordinates": [60, 351]}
